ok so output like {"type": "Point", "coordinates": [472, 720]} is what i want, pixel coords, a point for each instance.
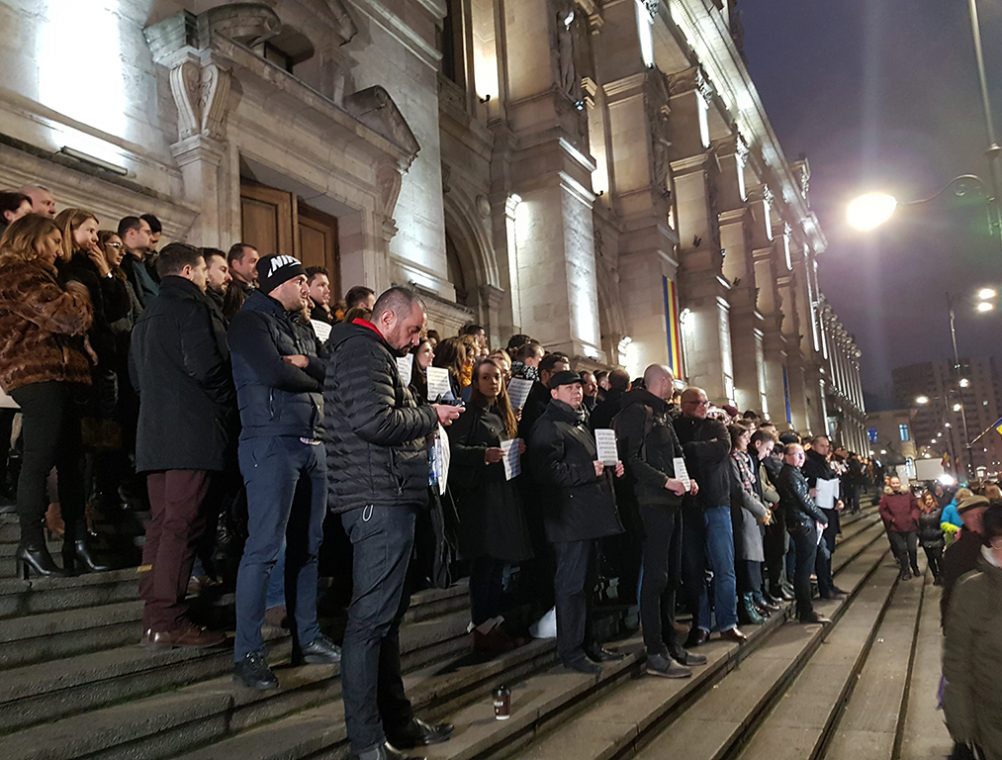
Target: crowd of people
{"type": "Point", "coordinates": [229, 394]}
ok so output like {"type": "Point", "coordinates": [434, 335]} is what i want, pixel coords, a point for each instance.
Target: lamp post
{"type": "Point", "coordinates": [994, 151]}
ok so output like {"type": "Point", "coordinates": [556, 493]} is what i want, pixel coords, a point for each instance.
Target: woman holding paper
{"type": "Point", "coordinates": [492, 531]}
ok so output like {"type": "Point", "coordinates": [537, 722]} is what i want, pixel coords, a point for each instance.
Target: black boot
{"type": "Point", "coordinates": [37, 558]}
{"type": "Point", "coordinates": [747, 614]}
{"type": "Point", "coordinates": [76, 554]}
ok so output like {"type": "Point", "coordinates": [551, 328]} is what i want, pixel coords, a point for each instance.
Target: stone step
{"type": "Point", "coordinates": [870, 723]}
{"type": "Point", "coordinates": [923, 733]}
{"type": "Point", "coordinates": [9, 548]}
{"type": "Point", "coordinates": [629, 716]}
{"type": "Point", "coordinates": [167, 724]}
{"type": "Point", "coordinates": [20, 598]}
{"type": "Point", "coordinates": [59, 687]}
{"type": "Point", "coordinates": [800, 722]}
{"type": "Point", "coordinates": [541, 695]}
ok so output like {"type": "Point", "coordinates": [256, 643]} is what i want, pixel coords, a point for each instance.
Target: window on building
{"type": "Point", "coordinates": [904, 433]}
{"type": "Point", "coordinates": [871, 434]}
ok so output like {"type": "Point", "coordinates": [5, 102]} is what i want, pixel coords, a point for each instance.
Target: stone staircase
{"type": "Point", "coordinates": [77, 685]}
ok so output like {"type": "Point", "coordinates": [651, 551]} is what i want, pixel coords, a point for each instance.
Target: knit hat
{"type": "Point", "coordinates": [275, 269]}
{"type": "Point", "coordinates": [972, 502]}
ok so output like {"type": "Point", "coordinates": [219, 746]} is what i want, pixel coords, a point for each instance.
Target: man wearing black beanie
{"type": "Point", "coordinates": [279, 380]}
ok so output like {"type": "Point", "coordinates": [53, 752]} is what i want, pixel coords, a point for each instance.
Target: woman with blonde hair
{"type": "Point", "coordinates": [44, 366]}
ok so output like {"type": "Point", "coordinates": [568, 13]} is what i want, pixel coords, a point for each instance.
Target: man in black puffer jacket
{"type": "Point", "coordinates": [649, 445]}
{"type": "Point", "coordinates": [279, 380]}
{"type": "Point", "coordinates": [803, 521]}
{"type": "Point", "coordinates": [377, 452]}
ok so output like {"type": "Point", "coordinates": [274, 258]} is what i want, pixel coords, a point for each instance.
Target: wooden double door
{"type": "Point", "coordinates": [275, 221]}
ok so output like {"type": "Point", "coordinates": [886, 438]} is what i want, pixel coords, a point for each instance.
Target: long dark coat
{"type": "Point", "coordinates": [491, 519]}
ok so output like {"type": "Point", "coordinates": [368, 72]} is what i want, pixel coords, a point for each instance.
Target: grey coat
{"type": "Point", "coordinates": [746, 511]}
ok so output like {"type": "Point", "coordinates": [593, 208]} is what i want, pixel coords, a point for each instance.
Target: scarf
{"type": "Point", "coordinates": [747, 476]}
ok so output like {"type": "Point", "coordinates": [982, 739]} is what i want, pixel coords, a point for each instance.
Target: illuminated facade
{"type": "Point", "coordinates": [597, 173]}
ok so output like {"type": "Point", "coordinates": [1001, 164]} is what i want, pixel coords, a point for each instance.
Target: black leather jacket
{"type": "Point", "coordinates": [794, 495]}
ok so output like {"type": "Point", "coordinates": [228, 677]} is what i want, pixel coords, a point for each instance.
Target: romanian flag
{"type": "Point", "coordinates": [998, 425]}
{"type": "Point", "coordinates": [673, 328]}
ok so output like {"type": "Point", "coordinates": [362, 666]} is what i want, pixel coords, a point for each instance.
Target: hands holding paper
{"type": "Point", "coordinates": [619, 469]}
{"type": "Point", "coordinates": [677, 487]}
{"type": "Point", "coordinates": [493, 455]}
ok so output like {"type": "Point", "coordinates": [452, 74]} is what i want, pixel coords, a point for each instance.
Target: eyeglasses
{"type": "Point", "coordinates": [116, 246]}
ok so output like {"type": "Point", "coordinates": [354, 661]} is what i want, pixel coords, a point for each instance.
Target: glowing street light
{"type": "Point", "coordinates": [964, 382]}
{"type": "Point", "coordinates": [957, 407]}
{"type": "Point", "coordinates": [869, 211]}
{"type": "Point", "coordinates": [986, 294]}
{"type": "Point", "coordinates": [984, 306]}
{"type": "Point", "coordinates": [922, 400]}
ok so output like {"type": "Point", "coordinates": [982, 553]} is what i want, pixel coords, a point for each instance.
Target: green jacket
{"type": "Point", "coordinates": [971, 656]}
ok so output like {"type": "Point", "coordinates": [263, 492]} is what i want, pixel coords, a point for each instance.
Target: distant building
{"type": "Point", "coordinates": [889, 436]}
{"type": "Point", "coordinates": [938, 426]}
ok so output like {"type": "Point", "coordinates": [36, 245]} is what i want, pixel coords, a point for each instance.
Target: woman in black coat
{"type": "Point", "coordinates": [492, 526]}
{"type": "Point", "coordinates": [930, 535]}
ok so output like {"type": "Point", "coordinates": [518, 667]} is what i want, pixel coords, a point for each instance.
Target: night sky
{"type": "Point", "coordinates": [883, 95]}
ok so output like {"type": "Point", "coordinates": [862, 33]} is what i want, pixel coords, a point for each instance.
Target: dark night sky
{"type": "Point", "coordinates": [882, 94]}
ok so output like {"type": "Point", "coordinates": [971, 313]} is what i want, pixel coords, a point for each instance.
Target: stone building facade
{"type": "Point", "coordinates": [600, 174]}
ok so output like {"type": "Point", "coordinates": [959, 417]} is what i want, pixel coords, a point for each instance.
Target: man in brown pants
{"type": "Point", "coordinates": [179, 364]}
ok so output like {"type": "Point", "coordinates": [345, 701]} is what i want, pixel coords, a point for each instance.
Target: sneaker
{"type": "Point", "coordinates": [253, 672]}
{"type": "Point", "coordinates": [320, 651]}
{"type": "Point", "coordinates": [659, 665]}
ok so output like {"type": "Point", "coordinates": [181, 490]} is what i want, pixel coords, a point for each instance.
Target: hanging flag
{"type": "Point", "coordinates": [673, 328]}
{"type": "Point", "coordinates": [998, 425]}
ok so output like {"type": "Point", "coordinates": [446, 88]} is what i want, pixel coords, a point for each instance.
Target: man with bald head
{"type": "Point", "coordinates": [649, 446]}
{"type": "Point", "coordinates": [707, 531]}
{"type": "Point", "coordinates": [42, 201]}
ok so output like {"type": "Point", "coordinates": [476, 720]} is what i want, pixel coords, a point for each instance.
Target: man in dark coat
{"type": "Point", "coordinates": [539, 395]}
{"type": "Point", "coordinates": [377, 455]}
{"type": "Point", "coordinates": [817, 467]}
{"type": "Point", "coordinates": [803, 519]}
{"type": "Point", "coordinates": [180, 367]}
{"type": "Point", "coordinates": [961, 556]}
{"type": "Point", "coordinates": [279, 380]}
{"type": "Point", "coordinates": [650, 446]}
{"type": "Point", "coordinates": [580, 508]}
{"type": "Point", "coordinates": [707, 531]}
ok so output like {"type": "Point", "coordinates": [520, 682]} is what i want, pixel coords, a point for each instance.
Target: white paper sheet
{"type": "Point", "coordinates": [826, 493]}
{"type": "Point", "coordinates": [405, 365]}
{"type": "Point", "coordinates": [605, 443]}
{"type": "Point", "coordinates": [444, 455]}
{"type": "Point", "coordinates": [512, 459]}
{"type": "Point", "coordinates": [681, 473]}
{"type": "Point", "coordinates": [322, 329]}
{"type": "Point", "coordinates": [438, 384]}
{"type": "Point", "coordinates": [518, 391]}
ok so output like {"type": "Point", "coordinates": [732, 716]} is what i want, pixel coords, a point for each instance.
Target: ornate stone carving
{"type": "Point", "coordinates": [658, 113]}
{"type": "Point", "coordinates": [200, 92]}
{"type": "Point", "coordinates": [250, 23]}
{"type": "Point", "coordinates": [388, 178]}
{"type": "Point", "coordinates": [375, 108]}
{"type": "Point", "coordinates": [345, 25]}
{"type": "Point", "coordinates": [568, 81]}
{"type": "Point", "coordinates": [483, 206]}
{"type": "Point", "coordinates": [693, 78]}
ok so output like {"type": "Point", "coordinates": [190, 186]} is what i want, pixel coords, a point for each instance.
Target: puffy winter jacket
{"type": "Point", "coordinates": [376, 448]}
{"type": "Point", "coordinates": [275, 398]}
{"type": "Point", "coordinates": [899, 511]}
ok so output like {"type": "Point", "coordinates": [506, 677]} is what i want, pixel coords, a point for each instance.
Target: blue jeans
{"type": "Point", "coordinates": [286, 483]}
{"type": "Point", "coordinates": [371, 685]}
{"type": "Point", "coordinates": [710, 540]}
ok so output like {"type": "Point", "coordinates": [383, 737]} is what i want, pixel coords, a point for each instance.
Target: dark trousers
{"type": "Point", "coordinates": [177, 520]}
{"type": "Point", "coordinates": [775, 543]}
{"type": "Point", "coordinates": [934, 556]}
{"type": "Point", "coordinates": [905, 549]}
{"type": "Point", "coordinates": [51, 433]}
{"type": "Point", "coordinates": [485, 588]}
{"type": "Point", "coordinates": [6, 430]}
{"type": "Point", "coordinates": [572, 586]}
{"type": "Point", "coordinates": [662, 558]}
{"type": "Point", "coordinates": [382, 540]}
{"type": "Point", "coordinates": [805, 539]}
{"type": "Point", "coordinates": [826, 549]}
{"type": "Point", "coordinates": [286, 482]}
{"type": "Point", "coordinates": [852, 498]}
{"type": "Point", "coordinates": [749, 574]}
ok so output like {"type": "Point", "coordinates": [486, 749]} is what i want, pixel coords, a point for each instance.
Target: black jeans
{"type": "Point", "coordinates": [905, 548]}
{"type": "Point", "coordinates": [934, 555]}
{"type": "Point", "coordinates": [852, 498]}
{"type": "Point", "coordinates": [382, 540]}
{"type": "Point", "coordinates": [662, 558]}
{"type": "Point", "coordinates": [573, 585]}
{"type": "Point", "coordinates": [805, 539]}
{"type": "Point", "coordinates": [51, 414]}
{"type": "Point", "coordinates": [826, 550]}
{"type": "Point", "coordinates": [775, 543]}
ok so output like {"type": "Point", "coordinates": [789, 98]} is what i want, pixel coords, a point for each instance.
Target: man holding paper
{"type": "Point", "coordinates": [823, 482]}
{"type": "Point", "coordinates": [656, 467]}
{"type": "Point", "coordinates": [580, 508]}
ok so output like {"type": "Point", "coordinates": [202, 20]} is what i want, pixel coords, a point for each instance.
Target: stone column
{"type": "Point", "coordinates": [551, 173]}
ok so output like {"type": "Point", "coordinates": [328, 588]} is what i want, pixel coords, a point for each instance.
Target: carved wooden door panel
{"type": "Point", "coordinates": [267, 219]}
{"type": "Point", "coordinates": [318, 243]}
